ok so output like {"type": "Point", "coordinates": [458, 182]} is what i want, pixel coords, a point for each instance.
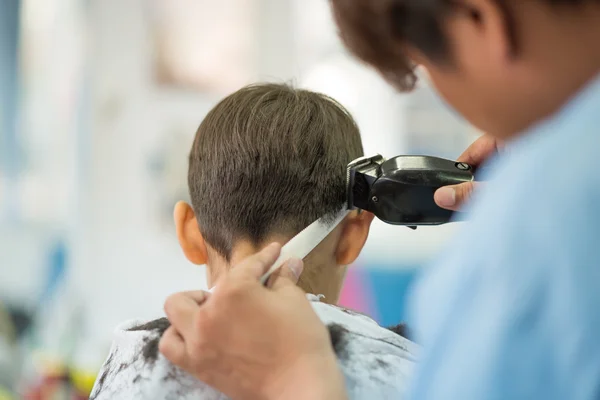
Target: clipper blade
{"type": "Point", "coordinates": [354, 185]}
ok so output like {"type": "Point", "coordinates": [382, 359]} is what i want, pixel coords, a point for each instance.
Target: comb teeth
{"type": "Point", "coordinates": [348, 178]}
{"type": "Point", "coordinates": [348, 189]}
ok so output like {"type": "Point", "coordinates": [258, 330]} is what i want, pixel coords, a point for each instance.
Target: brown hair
{"type": "Point", "coordinates": [269, 159]}
{"type": "Point", "coordinates": [376, 30]}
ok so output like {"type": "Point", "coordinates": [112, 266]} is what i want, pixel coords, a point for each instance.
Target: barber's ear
{"type": "Point", "coordinates": [355, 230]}
{"type": "Point", "coordinates": [188, 233]}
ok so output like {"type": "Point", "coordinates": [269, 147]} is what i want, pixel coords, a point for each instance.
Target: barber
{"type": "Point", "coordinates": [511, 311]}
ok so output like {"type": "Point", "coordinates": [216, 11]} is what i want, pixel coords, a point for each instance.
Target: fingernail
{"type": "Point", "coordinates": [296, 266]}
{"type": "Point", "coordinates": [446, 197]}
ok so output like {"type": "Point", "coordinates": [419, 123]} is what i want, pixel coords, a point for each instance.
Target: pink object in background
{"type": "Point", "coordinates": [356, 293]}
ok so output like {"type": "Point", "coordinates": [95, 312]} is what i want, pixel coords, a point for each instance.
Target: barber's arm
{"type": "Point", "coordinates": [253, 342]}
{"type": "Point", "coordinates": [511, 310]}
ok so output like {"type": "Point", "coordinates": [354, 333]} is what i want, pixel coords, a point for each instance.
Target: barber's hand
{"type": "Point", "coordinates": [252, 342]}
{"type": "Point", "coordinates": [454, 197]}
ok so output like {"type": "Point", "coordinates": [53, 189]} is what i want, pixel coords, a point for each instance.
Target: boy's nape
{"type": "Point", "coordinates": [324, 267]}
{"type": "Point", "coordinates": [267, 161]}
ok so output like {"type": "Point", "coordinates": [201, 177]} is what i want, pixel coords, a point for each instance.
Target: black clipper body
{"type": "Point", "coordinates": [400, 190]}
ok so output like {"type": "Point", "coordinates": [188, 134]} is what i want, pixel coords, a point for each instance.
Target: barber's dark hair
{"type": "Point", "coordinates": [375, 30]}
{"type": "Point", "coordinates": [269, 159]}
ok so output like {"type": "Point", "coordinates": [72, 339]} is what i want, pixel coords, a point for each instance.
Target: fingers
{"type": "Point", "coordinates": [454, 197]}
{"type": "Point", "coordinates": [480, 150]}
{"type": "Point", "coordinates": [257, 265]}
{"type": "Point", "coordinates": [288, 274]}
{"type": "Point", "coordinates": [181, 308]}
{"type": "Point", "coordinates": [172, 346]}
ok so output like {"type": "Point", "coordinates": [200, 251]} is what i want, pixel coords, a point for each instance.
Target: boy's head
{"type": "Point", "coordinates": [503, 64]}
{"type": "Point", "coordinates": [266, 162]}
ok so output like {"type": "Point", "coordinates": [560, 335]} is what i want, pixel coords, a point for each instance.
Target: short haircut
{"type": "Point", "coordinates": [269, 159]}
{"type": "Point", "coordinates": [376, 30]}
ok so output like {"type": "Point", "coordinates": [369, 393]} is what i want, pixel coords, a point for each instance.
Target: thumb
{"type": "Point", "coordinates": [287, 275]}
{"type": "Point", "coordinates": [454, 197]}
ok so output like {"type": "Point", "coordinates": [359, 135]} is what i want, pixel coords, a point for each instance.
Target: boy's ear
{"type": "Point", "coordinates": [188, 233]}
{"type": "Point", "coordinates": [354, 235]}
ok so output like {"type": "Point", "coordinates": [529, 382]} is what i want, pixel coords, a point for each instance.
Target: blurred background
{"type": "Point", "coordinates": [99, 102]}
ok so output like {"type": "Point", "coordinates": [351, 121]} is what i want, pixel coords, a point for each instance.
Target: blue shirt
{"type": "Point", "coordinates": [512, 309]}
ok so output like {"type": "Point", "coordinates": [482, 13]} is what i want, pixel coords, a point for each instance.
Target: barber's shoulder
{"type": "Point", "coordinates": [135, 369]}
{"type": "Point", "coordinates": [535, 219]}
{"type": "Point", "coordinates": [553, 168]}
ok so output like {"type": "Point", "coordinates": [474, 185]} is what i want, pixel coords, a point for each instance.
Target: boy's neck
{"type": "Point", "coordinates": [324, 279]}
{"type": "Point", "coordinates": [319, 277]}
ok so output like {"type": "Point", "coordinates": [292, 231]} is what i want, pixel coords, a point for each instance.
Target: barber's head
{"type": "Point", "coordinates": [503, 64]}
{"type": "Point", "coordinates": [266, 162]}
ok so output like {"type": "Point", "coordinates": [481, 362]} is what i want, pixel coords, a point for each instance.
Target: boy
{"type": "Point", "coordinates": [266, 162]}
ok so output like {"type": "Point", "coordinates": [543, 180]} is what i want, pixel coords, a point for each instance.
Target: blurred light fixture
{"type": "Point", "coordinates": [333, 80]}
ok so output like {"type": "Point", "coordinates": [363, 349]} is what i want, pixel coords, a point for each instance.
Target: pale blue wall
{"type": "Point", "coordinates": [9, 32]}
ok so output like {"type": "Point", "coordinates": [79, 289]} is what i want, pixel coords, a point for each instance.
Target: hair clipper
{"type": "Point", "coordinates": [400, 190]}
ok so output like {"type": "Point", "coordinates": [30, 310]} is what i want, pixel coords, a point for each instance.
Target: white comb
{"type": "Point", "coordinates": [305, 241]}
